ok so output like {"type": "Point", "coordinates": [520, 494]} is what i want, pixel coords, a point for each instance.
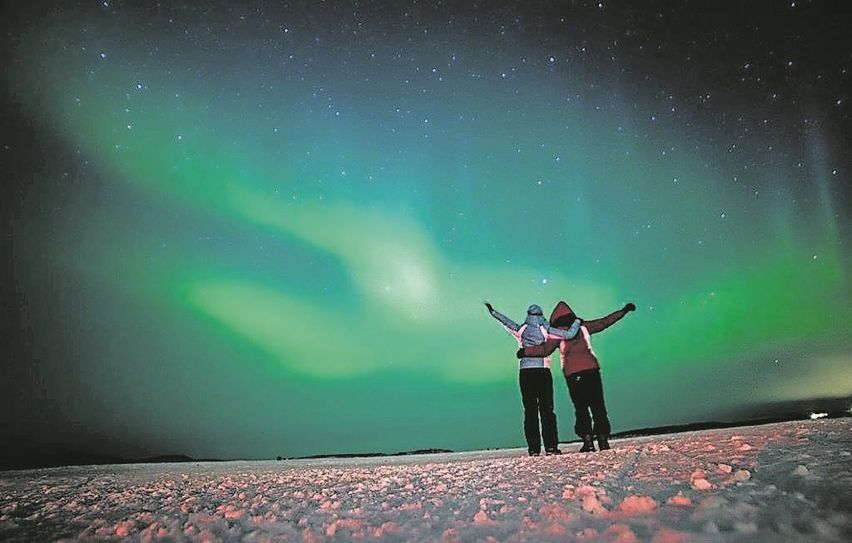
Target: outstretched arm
{"type": "Point", "coordinates": [599, 325]}
{"type": "Point", "coordinates": [508, 323]}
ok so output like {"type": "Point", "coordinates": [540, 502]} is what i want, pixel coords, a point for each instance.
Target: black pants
{"type": "Point", "coordinates": [537, 394]}
{"type": "Point", "coordinates": [586, 392]}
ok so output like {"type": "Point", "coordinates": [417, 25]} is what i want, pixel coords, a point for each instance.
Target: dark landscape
{"type": "Point", "coordinates": [755, 415]}
{"type": "Point", "coordinates": [788, 481]}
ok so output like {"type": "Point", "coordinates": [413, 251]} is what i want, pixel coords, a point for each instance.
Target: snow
{"type": "Point", "coordinates": [780, 482]}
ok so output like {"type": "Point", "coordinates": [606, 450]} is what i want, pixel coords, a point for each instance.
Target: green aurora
{"type": "Point", "coordinates": [284, 250]}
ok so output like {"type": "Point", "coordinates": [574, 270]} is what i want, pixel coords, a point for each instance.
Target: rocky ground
{"type": "Point", "coordinates": [779, 482]}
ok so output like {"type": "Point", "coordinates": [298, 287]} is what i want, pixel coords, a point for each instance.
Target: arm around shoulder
{"type": "Point", "coordinates": [558, 333]}
{"type": "Point", "coordinates": [539, 351]}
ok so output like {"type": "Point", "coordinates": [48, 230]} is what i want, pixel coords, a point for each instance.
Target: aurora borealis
{"type": "Point", "coordinates": [245, 230]}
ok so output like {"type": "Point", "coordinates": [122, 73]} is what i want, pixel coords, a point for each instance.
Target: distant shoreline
{"type": "Point", "coordinates": [60, 459]}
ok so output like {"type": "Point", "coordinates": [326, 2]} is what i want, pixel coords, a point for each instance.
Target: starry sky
{"type": "Point", "coordinates": [256, 229]}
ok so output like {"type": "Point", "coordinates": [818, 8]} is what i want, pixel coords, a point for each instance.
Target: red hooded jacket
{"type": "Point", "coordinates": [576, 354]}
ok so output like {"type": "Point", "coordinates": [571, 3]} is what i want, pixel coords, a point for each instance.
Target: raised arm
{"type": "Point", "coordinates": [508, 323]}
{"type": "Point", "coordinates": [599, 325]}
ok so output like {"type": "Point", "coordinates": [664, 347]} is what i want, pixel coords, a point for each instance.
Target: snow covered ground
{"type": "Point", "coordinates": [780, 482]}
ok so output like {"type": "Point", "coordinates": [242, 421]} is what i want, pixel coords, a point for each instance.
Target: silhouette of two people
{"type": "Point", "coordinates": [537, 339]}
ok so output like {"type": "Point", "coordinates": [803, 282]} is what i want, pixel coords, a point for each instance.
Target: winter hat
{"type": "Point", "coordinates": [534, 309]}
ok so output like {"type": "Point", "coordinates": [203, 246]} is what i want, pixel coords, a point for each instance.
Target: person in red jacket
{"type": "Point", "coordinates": [582, 372]}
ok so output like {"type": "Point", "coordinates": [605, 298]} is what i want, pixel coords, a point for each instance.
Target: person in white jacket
{"type": "Point", "coordinates": [534, 376]}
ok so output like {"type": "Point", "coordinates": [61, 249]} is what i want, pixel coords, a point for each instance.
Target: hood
{"type": "Point", "coordinates": [535, 316]}
{"type": "Point", "coordinates": [562, 309]}
{"type": "Point", "coordinates": [535, 309]}
{"type": "Point", "coordinates": [535, 320]}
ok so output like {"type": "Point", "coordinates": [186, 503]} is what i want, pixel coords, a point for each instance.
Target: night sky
{"type": "Point", "coordinates": [250, 230]}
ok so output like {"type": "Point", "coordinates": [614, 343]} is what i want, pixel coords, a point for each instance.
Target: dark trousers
{"type": "Point", "coordinates": [537, 394]}
{"type": "Point", "coordinates": [586, 392]}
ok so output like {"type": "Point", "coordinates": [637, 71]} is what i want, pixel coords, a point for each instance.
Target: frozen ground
{"type": "Point", "coordinates": [780, 482]}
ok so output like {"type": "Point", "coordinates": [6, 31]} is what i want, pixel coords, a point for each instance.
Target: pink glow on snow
{"type": "Point", "coordinates": [790, 483]}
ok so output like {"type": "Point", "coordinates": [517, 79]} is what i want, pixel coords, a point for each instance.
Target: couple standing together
{"type": "Point", "coordinates": [537, 339]}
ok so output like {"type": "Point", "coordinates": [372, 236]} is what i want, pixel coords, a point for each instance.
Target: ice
{"type": "Point", "coordinates": [792, 483]}
{"type": "Point", "coordinates": [636, 505]}
{"type": "Point", "coordinates": [742, 475]}
{"type": "Point", "coordinates": [701, 483]}
{"type": "Point", "coordinates": [679, 499]}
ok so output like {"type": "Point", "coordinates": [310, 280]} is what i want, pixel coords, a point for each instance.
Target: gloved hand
{"type": "Point", "coordinates": [630, 307]}
{"type": "Point", "coordinates": [490, 309]}
{"type": "Point", "coordinates": [521, 353]}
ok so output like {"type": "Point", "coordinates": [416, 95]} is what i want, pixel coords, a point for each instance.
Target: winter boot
{"type": "Point", "coordinates": [552, 452]}
{"type": "Point", "coordinates": [603, 442]}
{"type": "Point", "coordinates": [588, 444]}
{"type": "Point", "coordinates": [534, 453]}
